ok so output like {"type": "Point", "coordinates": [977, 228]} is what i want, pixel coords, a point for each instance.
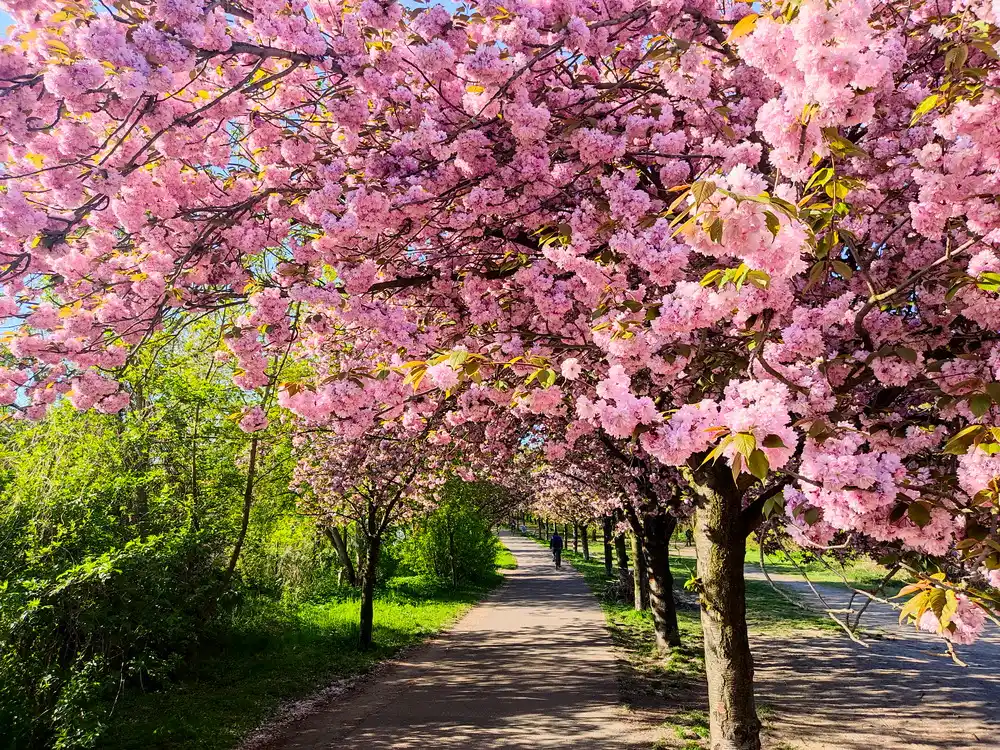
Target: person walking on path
{"type": "Point", "coordinates": [556, 545]}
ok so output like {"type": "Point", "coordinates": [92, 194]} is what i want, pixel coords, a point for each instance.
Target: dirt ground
{"type": "Point", "coordinates": [533, 667]}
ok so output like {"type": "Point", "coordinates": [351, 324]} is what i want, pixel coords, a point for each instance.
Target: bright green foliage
{"type": "Point", "coordinates": [272, 654]}
{"type": "Point", "coordinates": [456, 541]}
{"type": "Point", "coordinates": [116, 534]}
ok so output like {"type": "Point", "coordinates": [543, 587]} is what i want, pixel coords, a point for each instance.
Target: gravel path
{"type": "Point", "coordinates": [900, 693]}
{"type": "Point", "coordinates": [532, 667]}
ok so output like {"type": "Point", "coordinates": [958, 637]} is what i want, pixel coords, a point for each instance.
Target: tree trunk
{"type": "Point", "coordinates": [656, 532]}
{"type": "Point", "coordinates": [247, 505]}
{"type": "Point", "coordinates": [606, 526]}
{"type": "Point", "coordinates": [721, 545]}
{"type": "Point", "coordinates": [374, 548]}
{"type": "Point", "coordinates": [451, 555]}
{"type": "Point", "coordinates": [576, 538]}
{"type": "Point", "coordinates": [640, 581]}
{"type": "Point", "coordinates": [622, 554]}
{"type": "Point", "coordinates": [586, 549]}
{"type": "Point", "coordinates": [347, 564]}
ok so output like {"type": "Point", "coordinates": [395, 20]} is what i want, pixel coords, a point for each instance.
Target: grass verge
{"type": "Point", "coordinates": [860, 572]}
{"type": "Point", "coordinates": [276, 654]}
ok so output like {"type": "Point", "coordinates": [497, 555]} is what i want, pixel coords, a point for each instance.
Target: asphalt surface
{"type": "Point", "coordinates": [532, 667]}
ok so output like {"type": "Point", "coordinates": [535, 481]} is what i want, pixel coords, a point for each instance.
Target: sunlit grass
{"type": "Point", "coordinates": [271, 654]}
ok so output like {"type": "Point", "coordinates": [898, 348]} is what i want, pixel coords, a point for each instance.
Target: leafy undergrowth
{"type": "Point", "coordinates": [270, 656]}
{"type": "Point", "coordinates": [673, 686]}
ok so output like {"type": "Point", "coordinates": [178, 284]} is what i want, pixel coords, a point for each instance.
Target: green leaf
{"type": "Point", "coordinates": [843, 269]}
{"type": "Point", "coordinates": [773, 441]}
{"type": "Point", "coordinates": [919, 513]}
{"type": "Point", "coordinates": [993, 389]}
{"type": "Point", "coordinates": [906, 353]}
{"type": "Point", "coordinates": [955, 58]}
{"type": "Point", "coordinates": [774, 505]}
{"type": "Point", "coordinates": [924, 107]}
{"type": "Point", "coordinates": [948, 609]}
{"type": "Point", "coordinates": [711, 277]}
{"type": "Point", "coordinates": [980, 403]}
{"type": "Point", "coordinates": [819, 178]}
{"type": "Point", "coordinates": [702, 191]}
{"type": "Point", "coordinates": [773, 224]}
{"type": "Point", "coordinates": [960, 443]}
{"type": "Point", "coordinates": [742, 27]}
{"type": "Point", "coordinates": [745, 443]}
{"type": "Point", "coordinates": [758, 464]}
{"type": "Point", "coordinates": [811, 516]}
{"type": "Point", "coordinates": [715, 231]}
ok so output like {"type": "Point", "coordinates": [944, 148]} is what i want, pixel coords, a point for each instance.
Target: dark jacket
{"type": "Point", "coordinates": [556, 543]}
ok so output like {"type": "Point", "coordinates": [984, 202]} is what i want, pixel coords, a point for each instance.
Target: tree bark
{"type": "Point", "coordinates": [606, 527]}
{"type": "Point", "coordinates": [247, 505]}
{"type": "Point", "coordinates": [367, 621]}
{"type": "Point", "coordinates": [657, 530]}
{"type": "Point", "coordinates": [576, 538]}
{"type": "Point", "coordinates": [622, 554]}
{"type": "Point", "coordinates": [640, 584]}
{"type": "Point", "coordinates": [451, 555]}
{"type": "Point", "coordinates": [586, 549]}
{"type": "Point", "coordinates": [721, 545]}
{"type": "Point", "coordinates": [347, 565]}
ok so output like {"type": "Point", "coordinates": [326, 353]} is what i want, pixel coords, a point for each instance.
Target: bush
{"type": "Point", "coordinates": [73, 639]}
{"type": "Point", "coordinates": [455, 542]}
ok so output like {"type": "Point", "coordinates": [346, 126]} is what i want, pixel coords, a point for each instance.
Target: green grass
{"type": "Point", "coordinates": [861, 572]}
{"type": "Point", "coordinates": [505, 560]}
{"type": "Point", "coordinates": [767, 610]}
{"type": "Point", "coordinates": [274, 654]}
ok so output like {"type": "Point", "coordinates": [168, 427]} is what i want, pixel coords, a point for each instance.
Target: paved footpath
{"type": "Point", "coordinates": [532, 667]}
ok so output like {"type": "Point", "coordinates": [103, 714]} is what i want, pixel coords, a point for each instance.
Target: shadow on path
{"type": "Point", "coordinates": [902, 692]}
{"type": "Point", "coordinates": [530, 668]}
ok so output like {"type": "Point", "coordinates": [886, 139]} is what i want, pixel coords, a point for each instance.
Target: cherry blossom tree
{"type": "Point", "coordinates": [374, 482]}
{"type": "Point", "coordinates": [754, 244]}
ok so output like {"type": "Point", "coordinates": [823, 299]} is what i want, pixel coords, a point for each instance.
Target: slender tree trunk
{"type": "Point", "coordinates": [247, 505]}
{"type": "Point", "coordinates": [606, 526]}
{"type": "Point", "coordinates": [640, 581]}
{"type": "Point", "coordinates": [586, 549]}
{"type": "Point", "coordinates": [347, 565]}
{"type": "Point", "coordinates": [657, 530]}
{"type": "Point", "coordinates": [374, 548]}
{"type": "Point", "coordinates": [576, 537]}
{"type": "Point", "coordinates": [721, 545]}
{"type": "Point", "coordinates": [451, 555]}
{"type": "Point", "coordinates": [195, 500]}
{"type": "Point", "coordinates": [622, 554]}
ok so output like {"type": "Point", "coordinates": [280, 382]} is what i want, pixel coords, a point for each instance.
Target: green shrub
{"type": "Point", "coordinates": [455, 542]}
